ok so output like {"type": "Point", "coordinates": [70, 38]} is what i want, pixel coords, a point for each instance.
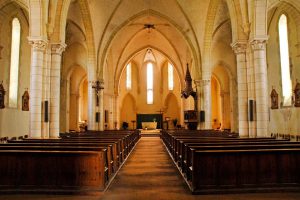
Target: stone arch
{"type": "Point", "coordinates": [128, 109]}
{"type": "Point", "coordinates": [289, 8]}
{"type": "Point", "coordinates": [228, 93]}
{"type": "Point", "coordinates": [196, 56]}
{"type": "Point", "coordinates": [294, 4]}
{"type": "Point", "coordinates": [65, 97]}
{"type": "Point", "coordinates": [118, 73]}
{"type": "Point", "coordinates": [22, 3]}
{"type": "Point", "coordinates": [171, 108]}
{"type": "Point", "coordinates": [237, 34]}
{"type": "Point", "coordinates": [216, 104]}
{"type": "Point", "coordinates": [169, 42]}
{"type": "Point", "coordinates": [61, 13]}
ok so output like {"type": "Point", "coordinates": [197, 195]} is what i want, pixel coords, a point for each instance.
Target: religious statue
{"type": "Point", "coordinates": [274, 99]}
{"type": "Point", "coordinates": [297, 94]}
{"type": "Point", "coordinates": [2, 95]}
{"type": "Point", "coordinates": [25, 101]}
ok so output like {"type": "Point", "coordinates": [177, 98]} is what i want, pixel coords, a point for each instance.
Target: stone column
{"type": "Point", "coordinates": [101, 108]}
{"type": "Point", "coordinates": [222, 121]}
{"type": "Point", "coordinates": [56, 53]}
{"type": "Point", "coordinates": [198, 91]}
{"type": "Point", "coordinates": [116, 112]}
{"type": "Point", "coordinates": [91, 107]}
{"type": "Point", "coordinates": [36, 86]}
{"type": "Point", "coordinates": [233, 105]}
{"type": "Point", "coordinates": [241, 63]}
{"type": "Point", "coordinates": [261, 86]}
{"type": "Point", "coordinates": [206, 85]}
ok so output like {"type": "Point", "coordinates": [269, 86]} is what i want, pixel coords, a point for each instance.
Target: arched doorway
{"type": "Point", "coordinates": [222, 111]}
{"type": "Point", "coordinates": [77, 98]}
{"type": "Point", "coordinates": [172, 110]}
{"type": "Point", "coordinates": [216, 104]}
{"type": "Point", "coordinates": [128, 111]}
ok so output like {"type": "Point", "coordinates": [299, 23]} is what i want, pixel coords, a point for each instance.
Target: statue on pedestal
{"type": "Point", "coordinates": [297, 94]}
{"type": "Point", "coordinates": [25, 101]}
{"type": "Point", "coordinates": [2, 95]}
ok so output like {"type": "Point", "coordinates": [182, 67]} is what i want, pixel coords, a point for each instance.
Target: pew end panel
{"type": "Point", "coordinates": [29, 171]}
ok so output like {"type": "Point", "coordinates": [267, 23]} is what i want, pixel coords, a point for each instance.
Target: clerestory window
{"type": "Point", "coordinates": [14, 63]}
{"type": "Point", "coordinates": [285, 60]}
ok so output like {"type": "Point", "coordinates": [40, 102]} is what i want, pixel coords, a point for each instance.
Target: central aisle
{"type": "Point", "coordinates": [149, 173]}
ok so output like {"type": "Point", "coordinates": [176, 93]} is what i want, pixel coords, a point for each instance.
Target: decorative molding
{"type": "Point", "coordinates": [239, 47]}
{"type": "Point", "coordinates": [258, 44]}
{"type": "Point", "coordinates": [205, 82]}
{"type": "Point", "coordinates": [198, 82]}
{"type": "Point", "coordinates": [38, 44]}
{"type": "Point", "coordinates": [58, 48]}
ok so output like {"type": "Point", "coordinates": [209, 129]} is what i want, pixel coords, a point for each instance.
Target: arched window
{"type": "Point", "coordinates": [170, 76]}
{"type": "Point", "coordinates": [150, 61]}
{"type": "Point", "coordinates": [128, 76]}
{"type": "Point", "coordinates": [149, 83]}
{"type": "Point", "coordinates": [14, 63]}
{"type": "Point", "coordinates": [285, 60]}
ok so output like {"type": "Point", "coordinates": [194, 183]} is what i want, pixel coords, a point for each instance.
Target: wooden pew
{"type": "Point", "coordinates": [247, 170]}
{"type": "Point", "coordinates": [188, 154]}
{"type": "Point", "coordinates": [111, 162]}
{"type": "Point", "coordinates": [53, 171]}
{"type": "Point", "coordinates": [80, 152]}
{"type": "Point", "coordinates": [208, 166]}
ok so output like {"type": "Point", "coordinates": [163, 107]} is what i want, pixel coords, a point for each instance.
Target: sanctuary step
{"type": "Point", "coordinates": [150, 133]}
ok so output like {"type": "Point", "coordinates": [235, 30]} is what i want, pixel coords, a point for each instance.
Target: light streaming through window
{"type": "Point", "coordinates": [284, 59]}
{"type": "Point", "coordinates": [170, 76]}
{"type": "Point", "coordinates": [149, 83]}
{"type": "Point", "coordinates": [14, 63]}
{"type": "Point", "coordinates": [128, 76]}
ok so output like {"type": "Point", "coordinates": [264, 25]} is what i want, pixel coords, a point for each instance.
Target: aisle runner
{"type": "Point", "coordinates": [149, 173]}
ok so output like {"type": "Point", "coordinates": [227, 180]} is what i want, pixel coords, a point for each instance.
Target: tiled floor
{"type": "Point", "coordinates": [149, 173]}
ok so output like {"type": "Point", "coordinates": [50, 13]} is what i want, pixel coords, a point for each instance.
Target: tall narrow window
{"type": "Point", "coordinates": [170, 76]}
{"type": "Point", "coordinates": [284, 61]}
{"type": "Point", "coordinates": [14, 63]}
{"type": "Point", "coordinates": [149, 83]}
{"type": "Point", "coordinates": [128, 76]}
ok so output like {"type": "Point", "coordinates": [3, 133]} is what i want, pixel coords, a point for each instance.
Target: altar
{"type": "Point", "coordinates": [149, 125]}
{"type": "Point", "coordinates": [149, 121]}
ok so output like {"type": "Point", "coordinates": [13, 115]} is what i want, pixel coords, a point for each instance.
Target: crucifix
{"type": "Point", "coordinates": [97, 85]}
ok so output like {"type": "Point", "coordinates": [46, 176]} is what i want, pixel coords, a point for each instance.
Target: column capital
{"type": "Point", "coordinates": [58, 48]}
{"type": "Point", "coordinates": [198, 82]}
{"type": "Point", "coordinates": [259, 43]}
{"type": "Point", "coordinates": [38, 44]}
{"type": "Point", "coordinates": [239, 47]}
{"type": "Point", "coordinates": [204, 82]}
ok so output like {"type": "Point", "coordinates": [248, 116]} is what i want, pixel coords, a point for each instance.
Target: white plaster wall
{"type": "Point", "coordinates": [284, 120]}
{"type": "Point", "coordinates": [14, 121]}
{"type": "Point", "coordinates": [138, 92]}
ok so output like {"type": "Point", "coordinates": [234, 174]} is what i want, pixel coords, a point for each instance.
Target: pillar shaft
{"type": "Point", "coordinates": [261, 86]}
{"type": "Point", "coordinates": [56, 53]}
{"type": "Point", "coordinates": [91, 107]}
{"type": "Point", "coordinates": [36, 86]}
{"type": "Point", "coordinates": [206, 85]}
{"type": "Point", "coordinates": [240, 51]}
